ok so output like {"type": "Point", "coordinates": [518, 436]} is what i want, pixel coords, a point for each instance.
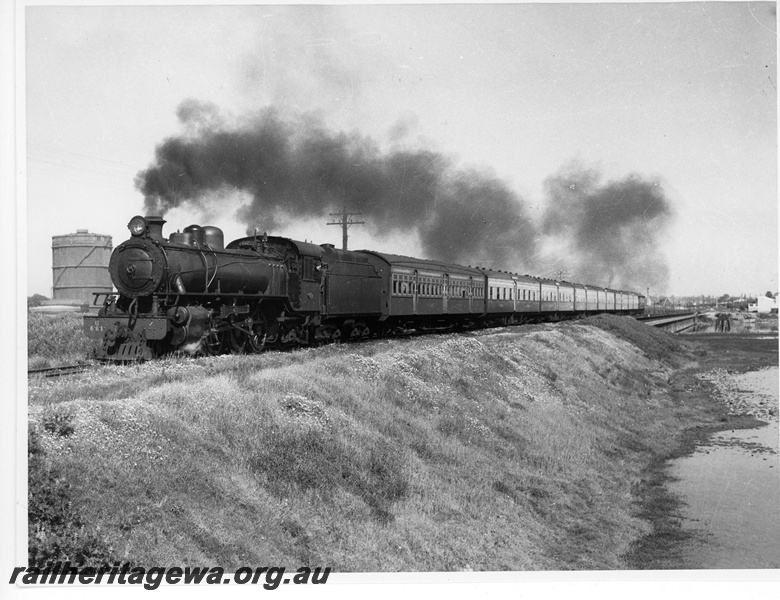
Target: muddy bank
{"type": "Point", "coordinates": [713, 502]}
{"type": "Point", "coordinates": [731, 485]}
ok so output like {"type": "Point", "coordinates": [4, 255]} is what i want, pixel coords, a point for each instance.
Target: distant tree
{"type": "Point", "coordinates": [724, 298]}
{"type": "Point", "coordinates": [769, 295]}
{"type": "Point", "coordinates": [35, 300]}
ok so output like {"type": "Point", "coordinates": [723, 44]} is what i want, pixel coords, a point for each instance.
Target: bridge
{"type": "Point", "coordinates": [674, 323]}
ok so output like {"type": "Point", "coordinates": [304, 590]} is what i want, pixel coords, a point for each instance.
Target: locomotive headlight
{"type": "Point", "coordinates": [137, 226]}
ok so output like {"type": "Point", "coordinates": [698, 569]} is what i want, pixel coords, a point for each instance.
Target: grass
{"type": "Point", "coordinates": [56, 339]}
{"type": "Point", "coordinates": [509, 449]}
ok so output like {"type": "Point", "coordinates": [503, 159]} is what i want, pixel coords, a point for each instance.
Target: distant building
{"type": "Point", "coordinates": [764, 305]}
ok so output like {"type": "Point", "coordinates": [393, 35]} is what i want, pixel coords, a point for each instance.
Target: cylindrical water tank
{"type": "Point", "coordinates": [80, 265]}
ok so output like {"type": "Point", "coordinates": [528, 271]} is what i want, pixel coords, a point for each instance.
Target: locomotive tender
{"type": "Point", "coordinates": [191, 292]}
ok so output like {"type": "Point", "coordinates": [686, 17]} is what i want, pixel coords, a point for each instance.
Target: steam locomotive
{"type": "Point", "coordinates": [190, 292]}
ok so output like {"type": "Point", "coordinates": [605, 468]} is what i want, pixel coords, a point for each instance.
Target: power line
{"type": "Point", "coordinates": [345, 222]}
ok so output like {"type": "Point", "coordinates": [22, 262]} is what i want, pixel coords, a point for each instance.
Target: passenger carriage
{"type": "Point", "coordinates": [432, 293]}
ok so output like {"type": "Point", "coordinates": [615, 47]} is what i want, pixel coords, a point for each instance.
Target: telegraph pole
{"type": "Point", "coordinates": [345, 221]}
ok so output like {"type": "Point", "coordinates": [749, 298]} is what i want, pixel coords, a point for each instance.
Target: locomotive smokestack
{"type": "Point", "coordinates": [155, 227]}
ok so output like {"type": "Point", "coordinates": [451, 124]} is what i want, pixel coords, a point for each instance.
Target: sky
{"type": "Point", "coordinates": [549, 108]}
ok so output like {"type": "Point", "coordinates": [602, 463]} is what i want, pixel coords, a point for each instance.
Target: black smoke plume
{"type": "Point", "coordinates": [612, 232]}
{"type": "Point", "coordinates": [294, 167]}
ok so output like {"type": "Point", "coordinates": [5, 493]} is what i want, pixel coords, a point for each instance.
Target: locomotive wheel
{"type": "Point", "coordinates": [212, 343]}
{"type": "Point", "coordinates": [256, 342]}
{"type": "Point", "coordinates": [236, 338]}
{"type": "Point", "coordinates": [247, 335]}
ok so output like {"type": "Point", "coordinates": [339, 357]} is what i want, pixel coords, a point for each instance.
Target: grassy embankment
{"type": "Point", "coordinates": [509, 449]}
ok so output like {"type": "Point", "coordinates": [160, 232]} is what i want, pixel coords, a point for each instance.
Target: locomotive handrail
{"type": "Point", "coordinates": [216, 268]}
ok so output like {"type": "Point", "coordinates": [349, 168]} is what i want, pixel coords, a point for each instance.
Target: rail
{"type": "Point", "coordinates": [58, 371]}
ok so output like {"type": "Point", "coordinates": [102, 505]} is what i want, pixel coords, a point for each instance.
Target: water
{"type": "Point", "coordinates": [732, 485]}
{"type": "Point", "coordinates": [740, 323]}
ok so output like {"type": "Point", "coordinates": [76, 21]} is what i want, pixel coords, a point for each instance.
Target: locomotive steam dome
{"type": "Point", "coordinates": [136, 267]}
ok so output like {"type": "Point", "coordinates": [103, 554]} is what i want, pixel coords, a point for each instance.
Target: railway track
{"type": "Point", "coordinates": [58, 371]}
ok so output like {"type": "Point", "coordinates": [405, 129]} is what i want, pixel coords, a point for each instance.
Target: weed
{"type": "Point", "coordinates": [55, 339]}
{"type": "Point", "coordinates": [59, 425]}
{"type": "Point", "coordinates": [55, 529]}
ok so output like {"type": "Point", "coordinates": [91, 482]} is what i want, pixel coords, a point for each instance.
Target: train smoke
{"type": "Point", "coordinates": [611, 232]}
{"type": "Point", "coordinates": [294, 167]}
